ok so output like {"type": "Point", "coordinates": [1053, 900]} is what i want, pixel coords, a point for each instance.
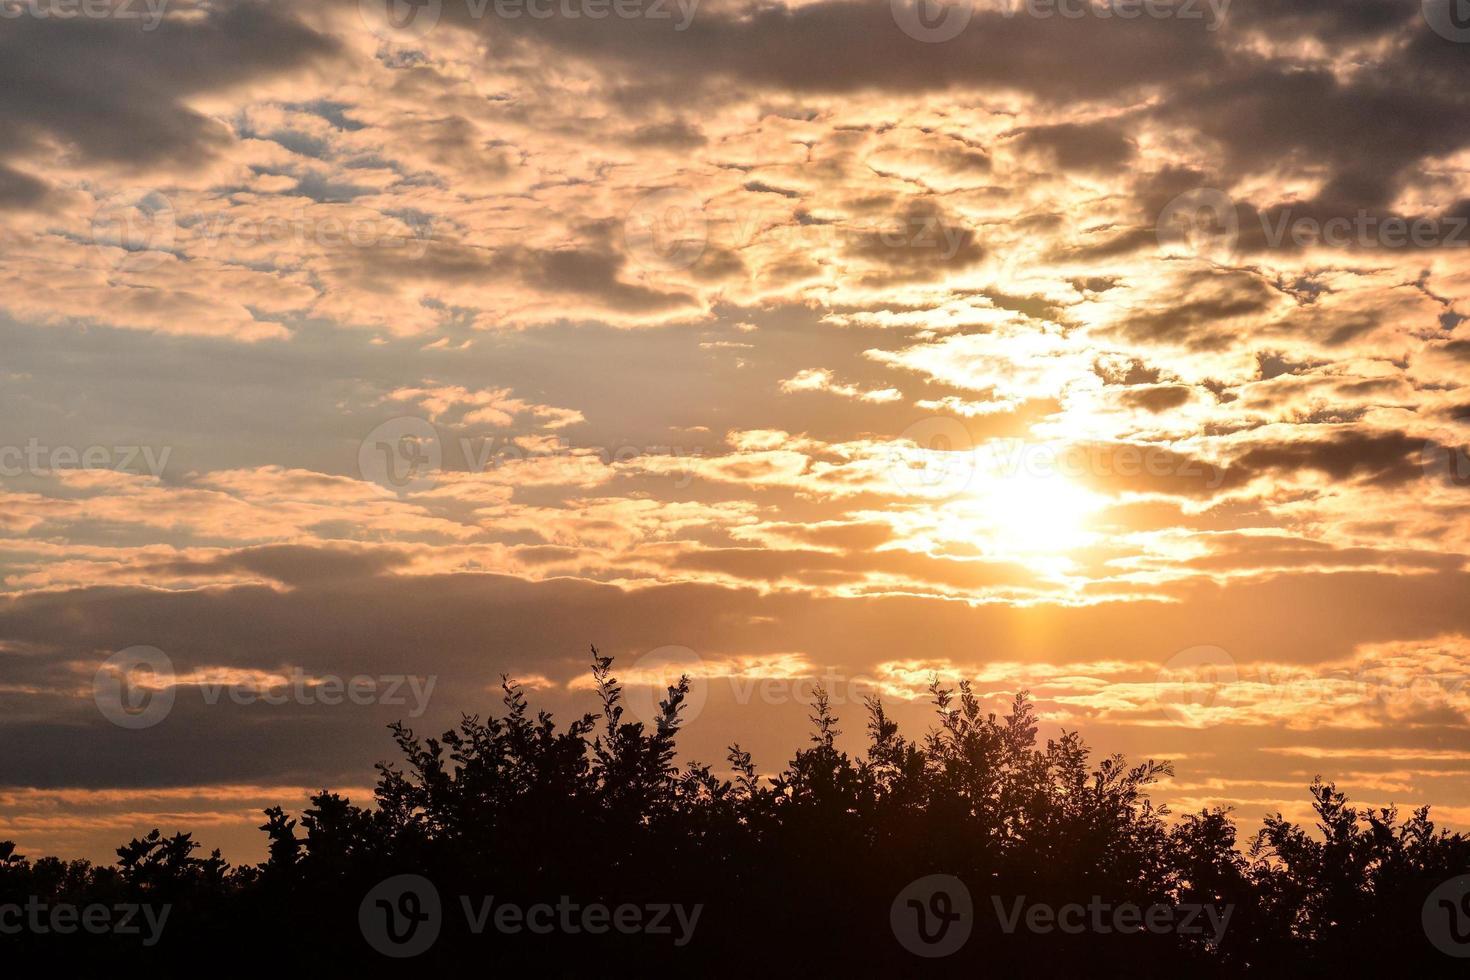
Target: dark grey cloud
{"type": "Point", "coordinates": [1080, 146]}
{"type": "Point", "coordinates": [1201, 318]}
{"type": "Point", "coordinates": [850, 46]}
{"type": "Point", "coordinates": [1159, 398]}
{"type": "Point", "coordinates": [1366, 117]}
{"type": "Point", "coordinates": [467, 629]}
{"type": "Point", "coordinates": [922, 242]}
{"type": "Point", "coordinates": [593, 270]}
{"type": "Point", "coordinates": [112, 93]}
{"type": "Point", "coordinates": [675, 135]}
{"type": "Point", "coordinates": [1386, 459]}
{"type": "Point", "coordinates": [18, 190]}
{"type": "Point", "coordinates": [289, 564]}
{"type": "Point", "coordinates": [1329, 20]}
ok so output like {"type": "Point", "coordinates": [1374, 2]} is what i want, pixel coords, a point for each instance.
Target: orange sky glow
{"type": "Point", "coordinates": [352, 361]}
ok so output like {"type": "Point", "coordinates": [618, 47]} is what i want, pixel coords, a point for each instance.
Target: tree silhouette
{"type": "Point", "coordinates": [794, 872]}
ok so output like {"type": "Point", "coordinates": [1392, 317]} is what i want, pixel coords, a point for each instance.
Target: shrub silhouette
{"type": "Point", "coordinates": [795, 872]}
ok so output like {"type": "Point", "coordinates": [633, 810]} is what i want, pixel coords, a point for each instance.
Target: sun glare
{"type": "Point", "coordinates": [1029, 514]}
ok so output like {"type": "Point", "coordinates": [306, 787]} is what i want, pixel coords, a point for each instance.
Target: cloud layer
{"type": "Point", "coordinates": [1046, 352]}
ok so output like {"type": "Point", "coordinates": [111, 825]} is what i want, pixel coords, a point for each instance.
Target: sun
{"type": "Point", "coordinates": [1034, 514]}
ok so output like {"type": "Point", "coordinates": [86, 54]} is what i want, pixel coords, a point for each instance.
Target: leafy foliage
{"type": "Point", "coordinates": [796, 871]}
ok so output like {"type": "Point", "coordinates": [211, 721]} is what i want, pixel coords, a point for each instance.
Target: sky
{"type": "Point", "coordinates": [358, 353]}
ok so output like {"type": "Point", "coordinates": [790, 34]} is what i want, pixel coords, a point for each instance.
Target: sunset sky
{"type": "Point", "coordinates": [1112, 352]}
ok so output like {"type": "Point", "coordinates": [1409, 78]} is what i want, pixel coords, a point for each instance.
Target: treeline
{"type": "Point", "coordinates": [803, 872]}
